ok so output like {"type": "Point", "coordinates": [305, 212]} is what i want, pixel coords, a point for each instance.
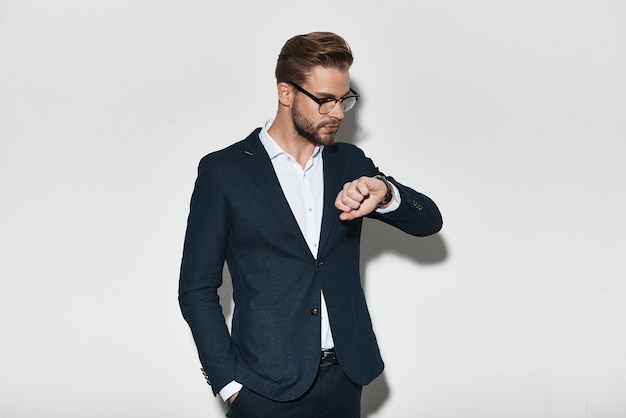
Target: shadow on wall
{"type": "Point", "coordinates": [379, 238]}
{"type": "Point", "coordinates": [350, 130]}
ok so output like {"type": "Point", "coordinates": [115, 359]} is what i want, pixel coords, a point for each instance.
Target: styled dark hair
{"type": "Point", "coordinates": [303, 52]}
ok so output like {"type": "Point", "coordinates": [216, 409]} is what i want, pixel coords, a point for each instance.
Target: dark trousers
{"type": "Point", "coordinates": [332, 395]}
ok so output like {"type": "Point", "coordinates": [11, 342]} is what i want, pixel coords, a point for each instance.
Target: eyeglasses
{"type": "Point", "coordinates": [327, 104]}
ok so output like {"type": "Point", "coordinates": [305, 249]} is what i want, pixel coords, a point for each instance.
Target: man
{"type": "Point", "coordinates": [284, 208]}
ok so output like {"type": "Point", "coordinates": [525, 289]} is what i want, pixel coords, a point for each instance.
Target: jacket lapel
{"type": "Point", "coordinates": [263, 175]}
{"type": "Point", "coordinates": [333, 183]}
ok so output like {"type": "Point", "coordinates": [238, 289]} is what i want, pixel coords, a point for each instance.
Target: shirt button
{"type": "Point", "coordinates": [315, 311]}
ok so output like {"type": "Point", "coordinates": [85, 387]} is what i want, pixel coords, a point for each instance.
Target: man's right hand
{"type": "Point", "coordinates": [232, 398]}
{"type": "Point", "coordinates": [360, 197]}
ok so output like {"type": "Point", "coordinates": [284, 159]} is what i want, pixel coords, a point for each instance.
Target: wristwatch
{"type": "Point", "coordinates": [389, 193]}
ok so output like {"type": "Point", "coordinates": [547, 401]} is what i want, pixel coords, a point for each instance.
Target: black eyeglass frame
{"type": "Point", "coordinates": [325, 100]}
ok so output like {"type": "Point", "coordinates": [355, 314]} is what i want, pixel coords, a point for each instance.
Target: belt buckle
{"type": "Point", "coordinates": [328, 358]}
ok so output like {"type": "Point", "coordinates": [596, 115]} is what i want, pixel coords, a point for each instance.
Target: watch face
{"type": "Point", "coordinates": [389, 193]}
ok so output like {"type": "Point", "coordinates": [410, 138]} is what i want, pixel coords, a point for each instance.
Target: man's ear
{"type": "Point", "coordinates": [285, 93]}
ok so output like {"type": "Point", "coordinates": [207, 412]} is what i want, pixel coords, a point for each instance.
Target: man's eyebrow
{"type": "Point", "coordinates": [324, 95]}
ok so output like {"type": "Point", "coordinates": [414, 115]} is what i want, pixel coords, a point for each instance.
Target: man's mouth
{"type": "Point", "coordinates": [332, 128]}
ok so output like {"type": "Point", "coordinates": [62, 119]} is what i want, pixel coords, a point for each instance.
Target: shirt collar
{"type": "Point", "coordinates": [273, 149]}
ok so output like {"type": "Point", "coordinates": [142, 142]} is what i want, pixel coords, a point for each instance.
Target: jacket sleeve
{"type": "Point", "coordinates": [201, 271]}
{"type": "Point", "coordinates": [417, 214]}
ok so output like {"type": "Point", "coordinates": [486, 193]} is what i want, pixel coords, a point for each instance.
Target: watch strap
{"type": "Point", "coordinates": [389, 193]}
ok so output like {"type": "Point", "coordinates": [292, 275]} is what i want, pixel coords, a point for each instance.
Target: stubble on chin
{"type": "Point", "coordinates": [325, 140]}
{"type": "Point", "coordinates": [306, 130]}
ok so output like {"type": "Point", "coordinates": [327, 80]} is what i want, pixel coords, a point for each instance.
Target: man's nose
{"type": "Point", "coordinates": [337, 111]}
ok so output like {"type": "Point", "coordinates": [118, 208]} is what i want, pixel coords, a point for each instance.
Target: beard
{"type": "Point", "coordinates": [309, 131]}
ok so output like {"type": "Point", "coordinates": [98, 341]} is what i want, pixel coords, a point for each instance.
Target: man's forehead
{"type": "Point", "coordinates": [329, 81]}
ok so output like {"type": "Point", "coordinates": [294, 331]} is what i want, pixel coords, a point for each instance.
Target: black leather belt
{"type": "Point", "coordinates": [328, 358]}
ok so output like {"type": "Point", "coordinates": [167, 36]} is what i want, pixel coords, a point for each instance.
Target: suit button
{"type": "Point", "coordinates": [206, 376]}
{"type": "Point", "coordinates": [319, 263]}
{"type": "Point", "coordinates": [315, 311]}
{"type": "Point", "coordinates": [416, 206]}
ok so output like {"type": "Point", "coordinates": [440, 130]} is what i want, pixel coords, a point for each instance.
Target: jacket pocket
{"type": "Point", "coordinates": [363, 325]}
{"type": "Point", "coordinates": [259, 337]}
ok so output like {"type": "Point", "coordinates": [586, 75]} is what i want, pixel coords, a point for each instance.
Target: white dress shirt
{"type": "Point", "coordinates": [304, 190]}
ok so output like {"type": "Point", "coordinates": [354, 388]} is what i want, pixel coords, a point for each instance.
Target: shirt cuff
{"type": "Point", "coordinates": [230, 389]}
{"type": "Point", "coordinates": [395, 204]}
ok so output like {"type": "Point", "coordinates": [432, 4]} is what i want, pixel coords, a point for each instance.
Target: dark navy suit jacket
{"type": "Point", "coordinates": [238, 214]}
